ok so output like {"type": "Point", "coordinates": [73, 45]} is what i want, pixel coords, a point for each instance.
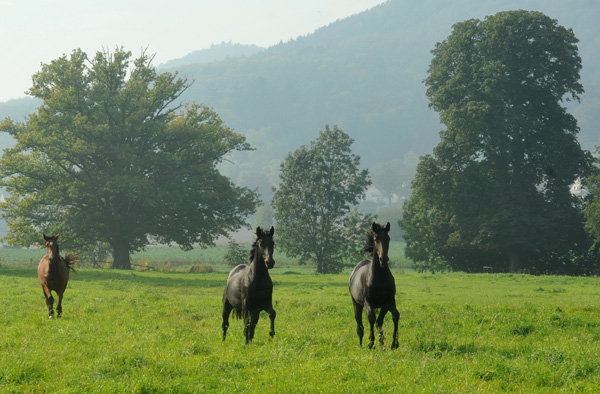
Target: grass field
{"type": "Point", "coordinates": [160, 332]}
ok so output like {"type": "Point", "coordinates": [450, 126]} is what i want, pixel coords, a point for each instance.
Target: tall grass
{"type": "Point", "coordinates": [160, 332]}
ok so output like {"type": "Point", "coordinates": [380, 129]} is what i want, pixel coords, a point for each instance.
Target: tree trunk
{"type": "Point", "coordinates": [514, 262]}
{"type": "Point", "coordinates": [319, 265]}
{"type": "Point", "coordinates": [121, 255]}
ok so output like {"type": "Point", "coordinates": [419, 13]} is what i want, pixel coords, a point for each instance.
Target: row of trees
{"type": "Point", "coordinates": [112, 158]}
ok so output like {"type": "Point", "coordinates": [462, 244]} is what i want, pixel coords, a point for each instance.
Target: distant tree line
{"type": "Point", "coordinates": [110, 157]}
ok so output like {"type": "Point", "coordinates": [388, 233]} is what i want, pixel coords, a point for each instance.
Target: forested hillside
{"type": "Point", "coordinates": [364, 74]}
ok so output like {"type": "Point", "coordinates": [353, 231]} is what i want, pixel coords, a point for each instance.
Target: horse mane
{"type": "Point", "coordinates": [253, 249]}
{"type": "Point", "coordinates": [369, 241]}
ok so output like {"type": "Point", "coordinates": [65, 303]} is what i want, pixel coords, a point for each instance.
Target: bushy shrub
{"type": "Point", "coordinates": [203, 268]}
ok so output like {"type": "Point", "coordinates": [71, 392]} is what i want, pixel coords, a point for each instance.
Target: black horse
{"type": "Point", "coordinates": [249, 287]}
{"type": "Point", "coordinates": [372, 286]}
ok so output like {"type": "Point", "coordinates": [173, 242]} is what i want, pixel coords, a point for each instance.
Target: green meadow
{"type": "Point", "coordinates": [160, 332]}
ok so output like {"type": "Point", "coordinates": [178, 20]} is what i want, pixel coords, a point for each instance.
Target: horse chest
{"type": "Point", "coordinates": [258, 290]}
{"type": "Point", "coordinates": [381, 293]}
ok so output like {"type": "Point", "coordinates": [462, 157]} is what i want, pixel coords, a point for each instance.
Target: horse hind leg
{"type": "Point", "coordinates": [360, 329]}
{"type": "Point", "coordinates": [227, 308]}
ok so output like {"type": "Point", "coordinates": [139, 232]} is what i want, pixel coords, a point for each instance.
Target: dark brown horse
{"type": "Point", "coordinates": [372, 286]}
{"type": "Point", "coordinates": [53, 274]}
{"type": "Point", "coordinates": [249, 288]}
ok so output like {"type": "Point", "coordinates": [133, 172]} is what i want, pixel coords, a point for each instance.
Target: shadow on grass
{"type": "Point", "coordinates": [135, 277]}
{"type": "Point", "coordinates": [178, 279]}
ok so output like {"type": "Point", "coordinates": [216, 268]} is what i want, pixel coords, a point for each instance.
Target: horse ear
{"type": "Point", "coordinates": [374, 227]}
{"type": "Point", "coordinates": [44, 236]}
{"type": "Point", "coordinates": [387, 227]}
{"type": "Point", "coordinates": [56, 236]}
{"type": "Point", "coordinates": [258, 231]}
{"type": "Point", "coordinates": [272, 231]}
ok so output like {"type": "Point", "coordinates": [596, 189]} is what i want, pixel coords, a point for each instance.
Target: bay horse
{"type": "Point", "coordinates": [249, 288]}
{"type": "Point", "coordinates": [53, 274]}
{"type": "Point", "coordinates": [372, 286]}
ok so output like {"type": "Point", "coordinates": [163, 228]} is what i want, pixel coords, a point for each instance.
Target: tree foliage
{"type": "Point", "coordinates": [592, 208]}
{"type": "Point", "coordinates": [236, 254]}
{"type": "Point", "coordinates": [495, 191]}
{"type": "Point", "coordinates": [264, 216]}
{"type": "Point", "coordinates": [320, 185]}
{"type": "Point", "coordinates": [111, 156]}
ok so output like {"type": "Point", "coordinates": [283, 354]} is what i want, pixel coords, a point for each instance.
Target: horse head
{"type": "Point", "coordinates": [381, 242]}
{"type": "Point", "coordinates": [51, 243]}
{"type": "Point", "coordinates": [265, 245]}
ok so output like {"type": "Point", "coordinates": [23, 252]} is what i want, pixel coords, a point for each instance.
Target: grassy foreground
{"type": "Point", "coordinates": [158, 332]}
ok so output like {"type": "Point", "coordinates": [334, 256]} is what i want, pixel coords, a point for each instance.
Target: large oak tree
{"type": "Point", "coordinates": [111, 156]}
{"type": "Point", "coordinates": [495, 191]}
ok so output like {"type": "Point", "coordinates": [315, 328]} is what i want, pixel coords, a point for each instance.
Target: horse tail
{"type": "Point", "coordinates": [237, 313]}
{"type": "Point", "coordinates": [71, 259]}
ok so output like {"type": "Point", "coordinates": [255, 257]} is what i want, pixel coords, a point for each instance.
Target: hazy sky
{"type": "Point", "coordinates": [37, 31]}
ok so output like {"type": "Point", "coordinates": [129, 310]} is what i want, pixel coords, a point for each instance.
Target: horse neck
{"type": "Point", "coordinates": [55, 257]}
{"type": "Point", "coordinates": [258, 263]}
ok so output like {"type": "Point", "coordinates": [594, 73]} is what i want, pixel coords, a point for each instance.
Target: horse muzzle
{"type": "Point", "coordinates": [270, 263]}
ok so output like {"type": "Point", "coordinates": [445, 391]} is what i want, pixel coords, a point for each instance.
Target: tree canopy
{"type": "Point", "coordinates": [495, 191]}
{"type": "Point", "coordinates": [111, 156]}
{"type": "Point", "coordinates": [592, 208]}
{"type": "Point", "coordinates": [315, 204]}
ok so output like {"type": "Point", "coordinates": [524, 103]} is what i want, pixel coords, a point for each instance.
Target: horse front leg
{"type": "Point", "coordinates": [59, 298]}
{"type": "Point", "coordinates": [272, 315]}
{"type": "Point", "coordinates": [395, 317]}
{"type": "Point", "coordinates": [253, 322]}
{"type": "Point", "coordinates": [371, 318]}
{"type": "Point", "coordinates": [380, 319]}
{"type": "Point", "coordinates": [246, 316]}
{"type": "Point", "coordinates": [49, 301]}
{"type": "Point", "coordinates": [360, 329]}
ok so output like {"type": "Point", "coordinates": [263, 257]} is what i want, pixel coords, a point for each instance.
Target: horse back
{"type": "Point", "coordinates": [233, 288]}
{"type": "Point", "coordinates": [358, 281]}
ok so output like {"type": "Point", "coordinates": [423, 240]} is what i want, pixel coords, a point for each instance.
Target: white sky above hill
{"type": "Point", "coordinates": [37, 31]}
